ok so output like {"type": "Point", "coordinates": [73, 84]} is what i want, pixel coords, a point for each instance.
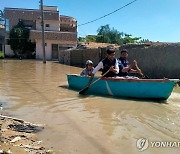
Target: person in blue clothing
{"type": "Point", "coordinates": [126, 68]}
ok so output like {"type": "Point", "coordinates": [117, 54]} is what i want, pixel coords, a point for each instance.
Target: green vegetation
{"type": "Point", "coordinates": [1, 54]}
{"type": "Point", "coordinates": [105, 34]}
{"type": "Point", "coordinates": [144, 41]}
{"type": "Point", "coordinates": [2, 20]}
{"type": "Point", "coordinates": [81, 39]}
{"type": "Point", "coordinates": [19, 40]}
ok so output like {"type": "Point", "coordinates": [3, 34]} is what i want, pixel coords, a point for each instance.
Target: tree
{"type": "Point", "coordinates": [105, 34]}
{"type": "Point", "coordinates": [19, 40]}
{"type": "Point", "coordinates": [104, 30]}
{"type": "Point", "coordinates": [81, 39]}
{"type": "Point", "coordinates": [108, 35]}
{"type": "Point", "coordinates": [115, 36]}
{"type": "Point", "coordinates": [144, 41]}
{"type": "Point", "coordinates": [2, 20]}
{"type": "Point", "coordinates": [90, 38]}
{"type": "Point", "coordinates": [129, 39]}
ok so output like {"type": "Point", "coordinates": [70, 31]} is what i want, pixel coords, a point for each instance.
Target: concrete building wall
{"type": "Point", "coordinates": [79, 57]}
{"type": "Point", "coordinates": [39, 52]}
{"type": "Point", "coordinates": [65, 57]}
{"type": "Point", "coordinates": [48, 49]}
{"type": "Point", "coordinates": [68, 24]}
{"type": "Point", "coordinates": [93, 54]}
{"type": "Point", "coordinates": [8, 50]}
{"type": "Point", "coordinates": [49, 8]}
{"type": "Point", "coordinates": [54, 25]}
{"type": "Point", "coordinates": [68, 37]}
{"type": "Point", "coordinates": [14, 14]}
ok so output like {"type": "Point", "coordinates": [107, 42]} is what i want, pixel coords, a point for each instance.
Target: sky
{"type": "Point", "coordinates": [156, 20]}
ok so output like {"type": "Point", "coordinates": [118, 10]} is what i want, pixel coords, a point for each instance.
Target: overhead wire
{"type": "Point", "coordinates": [102, 16]}
{"type": "Point", "coordinates": [108, 13]}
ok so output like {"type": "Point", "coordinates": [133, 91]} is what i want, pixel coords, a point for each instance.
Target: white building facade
{"type": "Point", "coordinates": [60, 31]}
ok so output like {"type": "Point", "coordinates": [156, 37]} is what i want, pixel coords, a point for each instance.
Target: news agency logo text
{"type": "Point", "coordinates": [143, 143]}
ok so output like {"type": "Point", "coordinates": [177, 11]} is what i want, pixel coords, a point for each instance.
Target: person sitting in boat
{"type": "Point", "coordinates": [109, 66]}
{"type": "Point", "coordinates": [125, 68]}
{"type": "Point", "coordinates": [87, 71]}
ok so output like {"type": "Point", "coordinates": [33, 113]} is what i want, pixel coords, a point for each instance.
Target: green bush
{"type": "Point", "coordinates": [1, 54]}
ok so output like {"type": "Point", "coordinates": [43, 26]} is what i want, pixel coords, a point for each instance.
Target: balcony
{"type": "Point", "coordinates": [54, 35]}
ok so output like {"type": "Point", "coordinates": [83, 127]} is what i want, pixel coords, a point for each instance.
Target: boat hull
{"type": "Point", "coordinates": [135, 88]}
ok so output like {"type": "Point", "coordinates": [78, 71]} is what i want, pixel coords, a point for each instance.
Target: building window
{"type": "Point", "coordinates": [7, 25]}
{"type": "Point", "coordinates": [54, 47]}
{"type": "Point", "coordinates": [47, 25]}
{"type": "Point", "coordinates": [28, 27]}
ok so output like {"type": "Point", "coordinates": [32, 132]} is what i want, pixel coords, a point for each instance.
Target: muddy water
{"type": "Point", "coordinates": [37, 92]}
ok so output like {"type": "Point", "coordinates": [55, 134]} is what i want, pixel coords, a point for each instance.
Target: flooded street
{"type": "Point", "coordinates": [38, 93]}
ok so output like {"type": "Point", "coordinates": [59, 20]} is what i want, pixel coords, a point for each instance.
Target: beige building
{"type": "Point", "coordinates": [60, 31]}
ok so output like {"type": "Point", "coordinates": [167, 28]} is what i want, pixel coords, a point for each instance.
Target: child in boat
{"type": "Point", "coordinates": [87, 71]}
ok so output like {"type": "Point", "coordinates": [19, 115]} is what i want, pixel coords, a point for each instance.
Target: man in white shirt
{"type": "Point", "coordinates": [109, 66]}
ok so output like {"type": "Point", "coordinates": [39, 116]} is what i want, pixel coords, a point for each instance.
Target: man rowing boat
{"type": "Point", "coordinates": [109, 66]}
{"type": "Point", "coordinates": [125, 68]}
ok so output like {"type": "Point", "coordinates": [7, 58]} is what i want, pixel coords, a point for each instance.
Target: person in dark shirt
{"type": "Point", "coordinates": [108, 63]}
{"type": "Point", "coordinates": [125, 68]}
{"type": "Point", "coordinates": [109, 66]}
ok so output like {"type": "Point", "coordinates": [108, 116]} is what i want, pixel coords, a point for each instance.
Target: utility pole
{"type": "Point", "coordinates": [43, 38]}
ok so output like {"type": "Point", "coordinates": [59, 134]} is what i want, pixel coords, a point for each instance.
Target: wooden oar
{"type": "Point", "coordinates": [86, 88]}
{"type": "Point", "coordinates": [140, 72]}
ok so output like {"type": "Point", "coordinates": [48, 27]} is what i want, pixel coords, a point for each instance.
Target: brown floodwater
{"type": "Point", "coordinates": [38, 93]}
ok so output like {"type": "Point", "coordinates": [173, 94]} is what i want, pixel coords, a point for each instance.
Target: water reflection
{"type": "Point", "coordinates": [38, 93]}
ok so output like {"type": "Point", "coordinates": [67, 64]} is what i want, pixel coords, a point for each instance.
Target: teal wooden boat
{"type": "Point", "coordinates": [121, 87]}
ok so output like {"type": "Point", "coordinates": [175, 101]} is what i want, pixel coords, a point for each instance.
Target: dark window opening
{"type": "Point", "coordinates": [7, 42]}
{"type": "Point", "coordinates": [47, 25]}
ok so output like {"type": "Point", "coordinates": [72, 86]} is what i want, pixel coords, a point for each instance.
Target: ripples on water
{"type": "Point", "coordinates": [38, 93]}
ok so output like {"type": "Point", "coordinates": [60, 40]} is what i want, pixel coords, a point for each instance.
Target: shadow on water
{"type": "Point", "coordinates": [64, 86]}
{"type": "Point", "coordinates": [150, 100]}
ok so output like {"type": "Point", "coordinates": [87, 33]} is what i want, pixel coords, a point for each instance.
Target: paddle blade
{"type": "Point", "coordinates": [145, 77]}
{"type": "Point", "coordinates": [83, 90]}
